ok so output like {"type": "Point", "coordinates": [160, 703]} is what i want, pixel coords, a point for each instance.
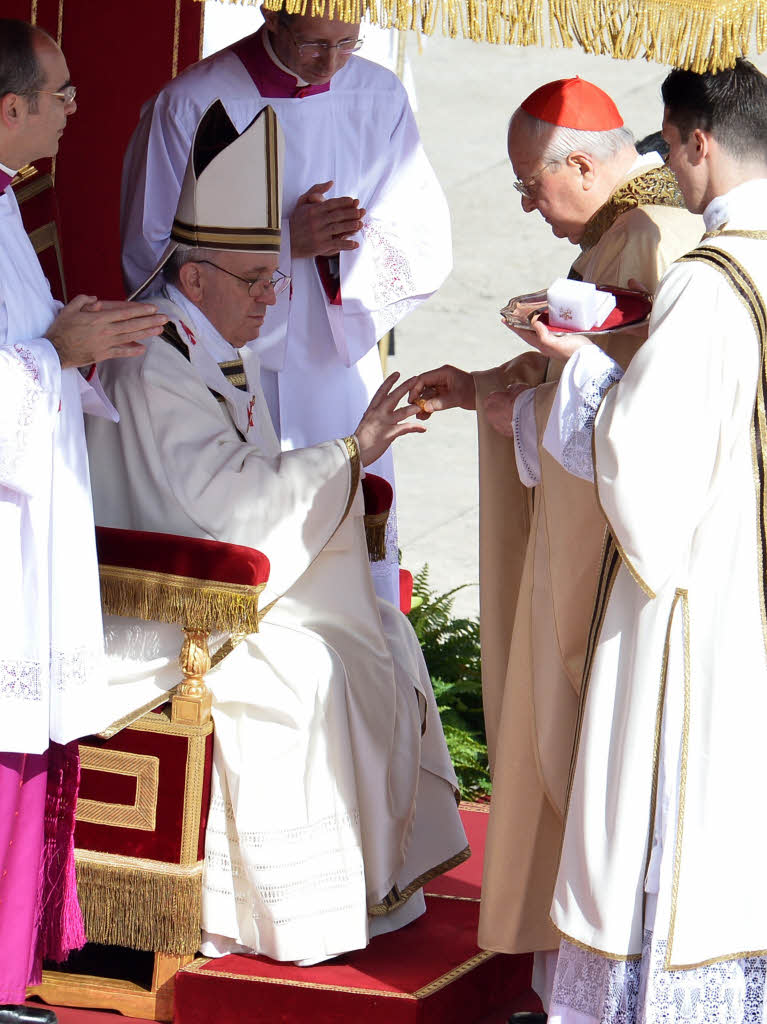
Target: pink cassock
{"type": "Point", "coordinates": [39, 914]}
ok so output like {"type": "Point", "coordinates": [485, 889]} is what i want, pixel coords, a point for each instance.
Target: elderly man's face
{"type": "Point", "coordinates": [226, 301]}
{"type": "Point", "coordinates": [557, 191]}
{"type": "Point", "coordinates": [315, 48]}
{"type": "Point", "coordinates": [46, 116]}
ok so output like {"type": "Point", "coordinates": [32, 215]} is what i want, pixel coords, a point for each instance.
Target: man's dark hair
{"type": "Point", "coordinates": [731, 105]}
{"type": "Point", "coordinates": [20, 71]}
{"type": "Point", "coordinates": [654, 143]}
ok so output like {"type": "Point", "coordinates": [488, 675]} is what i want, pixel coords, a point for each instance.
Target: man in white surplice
{"type": "Point", "coordinates": [353, 149]}
{"type": "Point", "coordinates": [660, 896]}
{"type": "Point", "coordinates": [51, 646]}
{"type": "Point", "coordinates": [333, 793]}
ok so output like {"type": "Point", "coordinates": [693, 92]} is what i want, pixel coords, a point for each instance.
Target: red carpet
{"type": "Point", "coordinates": [431, 972]}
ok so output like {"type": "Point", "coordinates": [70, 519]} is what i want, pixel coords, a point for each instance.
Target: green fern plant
{"type": "Point", "coordinates": [451, 650]}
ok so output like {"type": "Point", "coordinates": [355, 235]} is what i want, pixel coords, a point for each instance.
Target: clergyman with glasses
{"type": "Point", "coordinates": [51, 642]}
{"type": "Point", "coordinates": [576, 164]}
{"type": "Point", "coordinates": [366, 229]}
{"type": "Point", "coordinates": [333, 791]}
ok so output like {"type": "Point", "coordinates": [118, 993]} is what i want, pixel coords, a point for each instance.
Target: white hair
{"type": "Point", "coordinates": [558, 143]}
{"type": "Point", "coordinates": [185, 254]}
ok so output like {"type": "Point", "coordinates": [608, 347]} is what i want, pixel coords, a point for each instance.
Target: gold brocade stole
{"type": "Point", "coordinates": [742, 284]}
{"type": "Point", "coordinates": [656, 187]}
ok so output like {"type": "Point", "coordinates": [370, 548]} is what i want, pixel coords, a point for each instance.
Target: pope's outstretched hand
{"type": "Point", "coordinates": [444, 388]}
{"type": "Point", "coordinates": [89, 330]}
{"type": "Point", "coordinates": [383, 422]}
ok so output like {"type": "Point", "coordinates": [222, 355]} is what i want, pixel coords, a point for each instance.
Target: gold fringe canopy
{"type": "Point", "coordinates": [197, 604]}
{"type": "Point", "coordinates": [702, 35]}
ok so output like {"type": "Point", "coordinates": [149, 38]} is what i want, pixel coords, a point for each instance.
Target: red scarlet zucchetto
{"type": "Point", "coordinates": [573, 103]}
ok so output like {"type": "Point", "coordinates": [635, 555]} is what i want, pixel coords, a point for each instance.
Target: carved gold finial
{"type": "Point", "coordinates": [192, 699]}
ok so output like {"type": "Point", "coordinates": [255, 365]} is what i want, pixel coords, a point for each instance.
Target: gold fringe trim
{"type": "Point", "coordinates": [702, 35]}
{"type": "Point", "coordinates": [141, 904]}
{"type": "Point", "coordinates": [375, 534]}
{"type": "Point", "coordinates": [194, 603]}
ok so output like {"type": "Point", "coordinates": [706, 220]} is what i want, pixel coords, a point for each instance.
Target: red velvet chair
{"type": "Point", "coordinates": [142, 810]}
{"type": "Point", "coordinates": [378, 496]}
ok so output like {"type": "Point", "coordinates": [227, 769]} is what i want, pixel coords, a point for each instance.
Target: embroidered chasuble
{"type": "Point", "coordinates": [539, 558]}
{"type": "Point", "coordinates": [318, 347]}
{"type": "Point", "coordinates": [333, 792]}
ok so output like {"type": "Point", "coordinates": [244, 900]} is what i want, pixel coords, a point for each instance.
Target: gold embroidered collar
{"type": "Point", "coordinates": [656, 187]}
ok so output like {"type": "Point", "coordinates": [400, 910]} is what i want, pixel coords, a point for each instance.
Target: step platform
{"type": "Point", "coordinates": [431, 972]}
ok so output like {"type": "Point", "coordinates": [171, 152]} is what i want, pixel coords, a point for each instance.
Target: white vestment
{"type": "Point", "coordinates": [320, 362]}
{"type": "Point", "coordinates": [51, 646]}
{"type": "Point", "coordinates": [333, 792]}
{"type": "Point", "coordinates": [662, 856]}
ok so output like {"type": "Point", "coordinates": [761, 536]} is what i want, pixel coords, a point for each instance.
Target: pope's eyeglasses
{"type": "Point", "coordinates": [256, 286]}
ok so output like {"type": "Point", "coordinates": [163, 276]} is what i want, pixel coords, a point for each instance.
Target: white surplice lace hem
{"type": "Point", "coordinates": [294, 873]}
{"type": "Point", "coordinates": [23, 679]}
{"type": "Point", "coordinates": [18, 417]}
{"type": "Point", "coordinates": [639, 991]}
{"type": "Point", "coordinates": [588, 375]}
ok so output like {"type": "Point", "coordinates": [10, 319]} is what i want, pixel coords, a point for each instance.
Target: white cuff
{"type": "Point", "coordinates": [588, 374]}
{"type": "Point", "coordinates": [526, 439]}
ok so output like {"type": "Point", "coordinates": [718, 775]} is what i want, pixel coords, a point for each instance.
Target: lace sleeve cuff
{"type": "Point", "coordinates": [526, 439]}
{"type": "Point", "coordinates": [588, 376]}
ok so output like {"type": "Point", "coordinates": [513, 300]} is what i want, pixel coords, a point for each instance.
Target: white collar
{"type": "Point", "coordinates": [218, 346]}
{"type": "Point", "coordinates": [300, 83]}
{"type": "Point", "coordinates": [741, 204]}
{"type": "Point", "coordinates": [645, 161]}
{"type": "Point", "coordinates": [8, 170]}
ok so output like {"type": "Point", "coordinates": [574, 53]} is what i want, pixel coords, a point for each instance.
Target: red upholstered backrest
{"type": "Point", "coordinates": [182, 556]}
{"type": "Point", "coordinates": [405, 591]}
{"type": "Point", "coordinates": [377, 493]}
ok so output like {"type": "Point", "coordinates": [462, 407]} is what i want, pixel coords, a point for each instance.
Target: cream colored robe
{"type": "Point", "coordinates": [539, 563]}
{"type": "Point", "coordinates": [333, 792]}
{"type": "Point", "coordinates": [681, 631]}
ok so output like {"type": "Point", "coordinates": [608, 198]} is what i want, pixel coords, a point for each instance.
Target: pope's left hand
{"type": "Point", "coordinates": [555, 346]}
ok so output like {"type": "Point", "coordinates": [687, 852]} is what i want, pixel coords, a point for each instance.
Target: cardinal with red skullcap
{"type": "Point", "coordinates": [576, 164]}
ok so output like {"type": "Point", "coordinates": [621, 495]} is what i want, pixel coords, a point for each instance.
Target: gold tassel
{"type": "Point", "coordinates": [375, 535]}
{"type": "Point", "coordinates": [196, 604]}
{"type": "Point", "coordinates": [702, 35]}
{"type": "Point", "coordinates": [141, 904]}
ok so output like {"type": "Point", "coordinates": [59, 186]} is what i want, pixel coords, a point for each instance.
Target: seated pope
{"type": "Point", "coordinates": [333, 794]}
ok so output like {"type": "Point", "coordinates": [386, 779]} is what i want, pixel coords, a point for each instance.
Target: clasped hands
{"type": "Point", "coordinates": [323, 227]}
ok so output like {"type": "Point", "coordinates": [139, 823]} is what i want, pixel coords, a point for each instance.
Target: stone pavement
{"type": "Point", "coordinates": [466, 94]}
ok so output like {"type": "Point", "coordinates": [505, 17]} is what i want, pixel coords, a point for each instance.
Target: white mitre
{"type": "Point", "coordinates": [231, 196]}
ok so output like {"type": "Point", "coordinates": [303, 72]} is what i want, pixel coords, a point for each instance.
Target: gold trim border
{"type": "Point", "coordinates": [422, 993]}
{"type": "Point", "coordinates": [403, 895]}
{"type": "Point", "coordinates": [144, 768]}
